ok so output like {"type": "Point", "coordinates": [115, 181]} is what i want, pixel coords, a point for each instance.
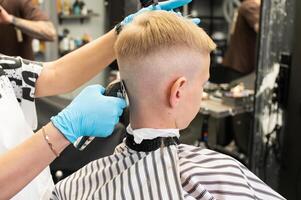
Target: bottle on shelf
{"type": "Point", "coordinates": [76, 8]}
{"type": "Point", "coordinates": [66, 7]}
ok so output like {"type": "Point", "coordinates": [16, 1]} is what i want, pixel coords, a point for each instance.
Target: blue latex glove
{"type": "Point", "coordinates": [89, 114]}
{"type": "Point", "coordinates": [166, 5]}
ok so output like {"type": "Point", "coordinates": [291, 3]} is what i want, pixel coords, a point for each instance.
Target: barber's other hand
{"type": "Point", "coordinates": [89, 114]}
{"type": "Point", "coordinates": [166, 5]}
{"type": "Point", "coordinates": [5, 18]}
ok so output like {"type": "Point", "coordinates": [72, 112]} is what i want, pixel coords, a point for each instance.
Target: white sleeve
{"type": "Point", "coordinates": [22, 75]}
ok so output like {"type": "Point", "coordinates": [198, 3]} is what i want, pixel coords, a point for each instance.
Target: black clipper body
{"type": "Point", "coordinates": [114, 89]}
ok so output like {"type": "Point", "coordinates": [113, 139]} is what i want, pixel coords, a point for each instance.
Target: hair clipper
{"type": "Point", "coordinates": [114, 89]}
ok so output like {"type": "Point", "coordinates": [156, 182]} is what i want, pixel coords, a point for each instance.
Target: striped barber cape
{"type": "Point", "coordinates": [173, 172]}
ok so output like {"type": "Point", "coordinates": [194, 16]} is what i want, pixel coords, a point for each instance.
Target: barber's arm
{"type": "Point", "coordinates": [89, 114]}
{"type": "Point", "coordinates": [43, 30]}
{"type": "Point", "coordinates": [251, 13]}
{"type": "Point", "coordinates": [76, 68]}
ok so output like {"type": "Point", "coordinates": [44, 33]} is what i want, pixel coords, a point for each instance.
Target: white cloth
{"type": "Point", "coordinates": [18, 115]}
{"type": "Point", "coordinates": [151, 133]}
{"type": "Point", "coordinates": [169, 173]}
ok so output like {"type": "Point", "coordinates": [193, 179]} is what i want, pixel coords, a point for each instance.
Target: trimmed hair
{"type": "Point", "coordinates": [154, 30]}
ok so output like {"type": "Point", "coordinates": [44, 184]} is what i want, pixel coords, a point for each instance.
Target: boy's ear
{"type": "Point", "coordinates": [177, 91]}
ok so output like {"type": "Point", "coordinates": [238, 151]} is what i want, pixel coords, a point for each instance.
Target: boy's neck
{"type": "Point", "coordinates": [150, 119]}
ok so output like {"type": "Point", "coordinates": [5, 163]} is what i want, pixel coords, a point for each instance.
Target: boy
{"type": "Point", "coordinates": [164, 62]}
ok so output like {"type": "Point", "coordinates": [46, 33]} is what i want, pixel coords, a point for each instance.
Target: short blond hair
{"type": "Point", "coordinates": [154, 30]}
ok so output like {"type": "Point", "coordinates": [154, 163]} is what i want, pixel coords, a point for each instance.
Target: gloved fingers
{"type": "Point", "coordinates": [172, 4]}
{"type": "Point", "coordinates": [167, 5]}
{"type": "Point", "coordinates": [121, 103]}
{"type": "Point", "coordinates": [179, 14]}
{"type": "Point", "coordinates": [196, 20]}
{"type": "Point", "coordinates": [91, 90]}
{"type": "Point", "coordinates": [128, 19]}
{"type": "Point", "coordinates": [108, 132]}
{"type": "Point", "coordinates": [120, 111]}
{"type": "Point", "coordinates": [101, 89]}
{"type": "Point", "coordinates": [116, 121]}
{"type": "Point", "coordinates": [97, 88]}
{"type": "Point", "coordinates": [156, 7]}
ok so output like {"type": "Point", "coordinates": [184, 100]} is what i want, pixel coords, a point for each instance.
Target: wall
{"type": "Point", "coordinates": [94, 27]}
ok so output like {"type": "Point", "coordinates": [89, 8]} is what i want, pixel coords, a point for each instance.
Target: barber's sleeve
{"type": "Point", "coordinates": [22, 74]}
{"type": "Point", "coordinates": [30, 11]}
{"type": "Point", "coordinates": [251, 12]}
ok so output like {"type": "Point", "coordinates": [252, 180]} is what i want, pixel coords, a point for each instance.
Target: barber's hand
{"type": "Point", "coordinates": [5, 18]}
{"type": "Point", "coordinates": [166, 5]}
{"type": "Point", "coordinates": [89, 114]}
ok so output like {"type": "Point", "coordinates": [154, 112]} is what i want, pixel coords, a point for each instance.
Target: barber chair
{"type": "Point", "coordinates": [242, 129]}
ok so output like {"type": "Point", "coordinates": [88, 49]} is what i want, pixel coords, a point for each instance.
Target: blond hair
{"type": "Point", "coordinates": [154, 30]}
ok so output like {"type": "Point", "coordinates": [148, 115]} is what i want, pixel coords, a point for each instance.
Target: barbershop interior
{"type": "Point", "coordinates": [241, 143]}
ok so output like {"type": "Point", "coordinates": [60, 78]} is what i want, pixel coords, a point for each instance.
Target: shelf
{"type": "Point", "coordinates": [77, 17]}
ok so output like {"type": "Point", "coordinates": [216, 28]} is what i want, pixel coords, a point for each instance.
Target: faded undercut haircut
{"type": "Point", "coordinates": [154, 30]}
